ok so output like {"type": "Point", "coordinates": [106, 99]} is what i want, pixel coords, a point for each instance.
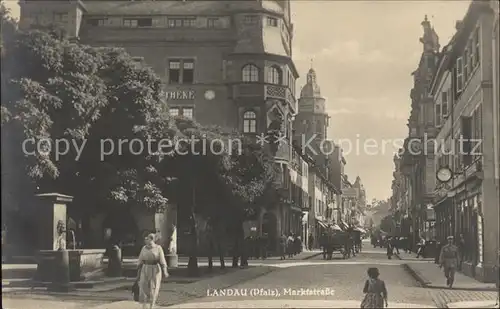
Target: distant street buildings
{"type": "Point", "coordinates": [446, 176]}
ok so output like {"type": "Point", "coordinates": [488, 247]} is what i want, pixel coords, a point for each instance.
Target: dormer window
{"type": "Point", "coordinates": [250, 19]}
{"type": "Point", "coordinates": [271, 21]}
{"type": "Point", "coordinates": [250, 73]}
{"type": "Point", "coordinates": [274, 75]}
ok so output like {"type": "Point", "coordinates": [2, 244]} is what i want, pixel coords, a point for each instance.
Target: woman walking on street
{"type": "Point", "coordinates": [375, 291]}
{"type": "Point", "coordinates": [152, 266]}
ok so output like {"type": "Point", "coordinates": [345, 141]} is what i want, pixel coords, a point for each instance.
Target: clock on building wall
{"type": "Point", "coordinates": [209, 94]}
{"type": "Point", "coordinates": [444, 174]}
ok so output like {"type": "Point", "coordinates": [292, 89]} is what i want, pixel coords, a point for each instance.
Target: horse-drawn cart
{"type": "Point", "coordinates": [336, 242]}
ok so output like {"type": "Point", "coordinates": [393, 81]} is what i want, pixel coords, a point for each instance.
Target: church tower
{"type": "Point", "coordinates": [312, 120]}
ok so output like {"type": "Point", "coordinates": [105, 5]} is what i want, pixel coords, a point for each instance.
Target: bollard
{"type": "Point", "coordinates": [115, 262]}
{"type": "Point", "coordinates": [61, 279]}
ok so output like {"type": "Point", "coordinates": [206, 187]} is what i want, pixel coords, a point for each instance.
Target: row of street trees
{"type": "Point", "coordinates": [55, 89]}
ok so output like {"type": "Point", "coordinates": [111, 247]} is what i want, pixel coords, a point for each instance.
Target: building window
{"type": "Point", "coordinates": [145, 22]}
{"type": "Point", "coordinates": [131, 23]}
{"type": "Point", "coordinates": [250, 73]}
{"type": "Point", "coordinates": [459, 75]}
{"type": "Point", "coordinates": [274, 75]}
{"type": "Point", "coordinates": [61, 17]}
{"type": "Point", "coordinates": [466, 66]}
{"type": "Point", "coordinates": [250, 19]}
{"type": "Point", "coordinates": [438, 115]}
{"type": "Point", "coordinates": [477, 40]}
{"type": "Point", "coordinates": [212, 23]}
{"type": "Point", "coordinates": [444, 103]}
{"type": "Point", "coordinates": [187, 112]}
{"type": "Point", "coordinates": [97, 22]}
{"type": "Point", "coordinates": [182, 22]}
{"type": "Point", "coordinates": [466, 147]}
{"type": "Point", "coordinates": [181, 71]}
{"type": "Point", "coordinates": [249, 122]}
{"type": "Point", "coordinates": [174, 112]}
{"type": "Point", "coordinates": [271, 21]}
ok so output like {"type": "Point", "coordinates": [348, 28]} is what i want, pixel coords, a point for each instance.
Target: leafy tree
{"type": "Point", "coordinates": [225, 185]}
{"type": "Point", "coordinates": [58, 90]}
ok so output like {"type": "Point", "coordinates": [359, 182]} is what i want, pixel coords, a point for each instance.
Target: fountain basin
{"type": "Point", "coordinates": [83, 263]}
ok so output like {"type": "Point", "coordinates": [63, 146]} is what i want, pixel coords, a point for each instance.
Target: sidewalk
{"type": "Point", "coordinates": [464, 291]}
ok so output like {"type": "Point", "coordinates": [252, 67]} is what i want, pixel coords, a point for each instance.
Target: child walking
{"type": "Point", "coordinates": [375, 291]}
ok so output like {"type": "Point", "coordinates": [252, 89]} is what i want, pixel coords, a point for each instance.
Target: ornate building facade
{"type": "Point", "coordinates": [226, 63]}
{"type": "Point", "coordinates": [453, 102]}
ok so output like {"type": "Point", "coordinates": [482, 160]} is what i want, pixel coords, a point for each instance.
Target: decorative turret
{"type": "Point", "coordinates": [311, 88]}
{"type": "Point", "coordinates": [430, 40]}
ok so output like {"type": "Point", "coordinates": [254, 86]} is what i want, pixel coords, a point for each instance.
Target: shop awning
{"type": "Point", "coordinates": [343, 226]}
{"type": "Point", "coordinates": [322, 224]}
{"type": "Point", "coordinates": [335, 227]}
{"type": "Point", "coordinates": [360, 229]}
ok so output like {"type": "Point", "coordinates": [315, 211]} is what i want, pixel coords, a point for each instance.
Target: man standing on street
{"type": "Point", "coordinates": [310, 241]}
{"type": "Point", "coordinates": [448, 259]}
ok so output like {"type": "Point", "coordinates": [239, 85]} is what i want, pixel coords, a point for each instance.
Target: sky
{"type": "Point", "coordinates": [364, 53]}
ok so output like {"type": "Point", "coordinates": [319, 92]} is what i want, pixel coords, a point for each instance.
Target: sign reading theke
{"type": "Point", "coordinates": [180, 95]}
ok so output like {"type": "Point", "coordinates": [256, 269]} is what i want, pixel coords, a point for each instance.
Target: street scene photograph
{"type": "Point", "coordinates": [250, 154]}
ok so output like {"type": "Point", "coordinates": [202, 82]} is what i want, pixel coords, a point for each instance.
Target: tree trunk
{"type": "Point", "coordinates": [236, 251]}
{"type": "Point", "coordinates": [210, 251]}
{"type": "Point", "coordinates": [244, 246]}
{"type": "Point", "coordinates": [193, 269]}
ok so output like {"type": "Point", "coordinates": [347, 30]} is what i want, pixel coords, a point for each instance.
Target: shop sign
{"type": "Point", "coordinates": [180, 95]}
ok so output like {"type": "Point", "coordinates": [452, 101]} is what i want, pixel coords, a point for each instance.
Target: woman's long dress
{"type": "Point", "coordinates": [375, 293]}
{"type": "Point", "coordinates": [153, 261]}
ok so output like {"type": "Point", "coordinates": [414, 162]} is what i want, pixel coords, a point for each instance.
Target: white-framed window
{"type": "Point", "coordinates": [213, 22]}
{"type": "Point", "coordinates": [137, 22]}
{"type": "Point", "coordinates": [187, 112]}
{"type": "Point", "coordinates": [174, 111]}
{"type": "Point", "coordinates": [444, 103]}
{"type": "Point", "coordinates": [272, 21]}
{"type": "Point", "coordinates": [250, 73]}
{"type": "Point", "coordinates": [131, 23]}
{"type": "Point", "coordinates": [274, 75]}
{"type": "Point", "coordinates": [459, 74]}
{"type": "Point", "coordinates": [189, 22]}
{"type": "Point", "coordinates": [249, 122]}
{"type": "Point", "coordinates": [250, 19]}
{"type": "Point", "coordinates": [181, 71]}
{"type": "Point", "coordinates": [466, 65]}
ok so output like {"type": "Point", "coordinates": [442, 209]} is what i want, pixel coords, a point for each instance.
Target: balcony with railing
{"type": "Point", "coordinates": [281, 93]}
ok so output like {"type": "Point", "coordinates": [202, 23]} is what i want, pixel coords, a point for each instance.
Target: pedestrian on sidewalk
{"type": "Point", "coordinates": [310, 242]}
{"type": "Point", "coordinates": [395, 244]}
{"type": "Point", "coordinates": [375, 291]}
{"type": "Point", "coordinates": [448, 259]}
{"type": "Point", "coordinates": [420, 248]}
{"type": "Point", "coordinates": [282, 250]}
{"type": "Point", "coordinates": [389, 247]}
{"type": "Point", "coordinates": [289, 245]}
{"type": "Point", "coordinates": [152, 267]}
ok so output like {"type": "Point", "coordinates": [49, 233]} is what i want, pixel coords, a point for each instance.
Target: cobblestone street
{"type": "Point", "coordinates": [340, 281]}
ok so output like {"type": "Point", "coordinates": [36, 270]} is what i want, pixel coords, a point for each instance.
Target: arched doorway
{"type": "Point", "coordinates": [269, 227]}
